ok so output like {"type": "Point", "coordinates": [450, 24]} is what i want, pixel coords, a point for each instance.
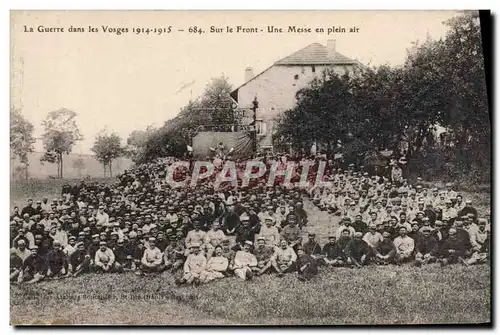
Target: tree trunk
{"type": "Point", "coordinates": [104, 169]}
{"type": "Point", "coordinates": [61, 163]}
{"type": "Point", "coordinates": [110, 171]}
{"type": "Point", "coordinates": [26, 169]}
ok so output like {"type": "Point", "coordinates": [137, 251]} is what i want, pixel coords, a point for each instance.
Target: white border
{"type": "Point", "coordinates": [186, 4]}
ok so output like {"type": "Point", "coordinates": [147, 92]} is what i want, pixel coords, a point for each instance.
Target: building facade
{"type": "Point", "coordinates": [276, 87]}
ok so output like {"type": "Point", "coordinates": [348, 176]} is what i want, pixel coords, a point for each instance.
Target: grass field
{"type": "Point", "coordinates": [371, 295]}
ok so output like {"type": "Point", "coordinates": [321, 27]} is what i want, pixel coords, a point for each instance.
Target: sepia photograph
{"type": "Point", "coordinates": [270, 168]}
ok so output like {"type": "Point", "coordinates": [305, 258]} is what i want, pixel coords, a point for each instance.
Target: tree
{"type": "Point", "coordinates": [107, 147]}
{"type": "Point", "coordinates": [79, 166]}
{"type": "Point", "coordinates": [21, 137]}
{"type": "Point", "coordinates": [61, 134]}
{"type": "Point", "coordinates": [213, 108]}
{"type": "Point", "coordinates": [136, 143]}
{"type": "Point", "coordinates": [217, 96]}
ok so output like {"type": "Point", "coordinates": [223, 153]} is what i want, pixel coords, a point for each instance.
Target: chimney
{"type": "Point", "coordinates": [330, 48]}
{"type": "Point", "coordinates": [248, 73]}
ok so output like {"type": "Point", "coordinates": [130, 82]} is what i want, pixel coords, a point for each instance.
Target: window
{"type": "Point", "coordinates": [296, 77]}
{"type": "Point", "coordinates": [313, 68]}
{"type": "Point", "coordinates": [261, 128]}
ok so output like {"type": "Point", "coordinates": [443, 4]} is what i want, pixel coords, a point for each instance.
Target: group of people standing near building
{"type": "Point", "coordinates": [196, 235]}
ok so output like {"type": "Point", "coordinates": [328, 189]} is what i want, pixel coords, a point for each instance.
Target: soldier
{"type": "Point", "coordinates": [57, 262]}
{"type": "Point", "coordinates": [306, 265]}
{"type": "Point", "coordinates": [263, 253]}
{"type": "Point", "coordinates": [79, 261]}
{"type": "Point", "coordinates": [194, 266]}
{"type": "Point", "coordinates": [283, 260]}
{"type": "Point", "coordinates": [357, 251]}
{"type": "Point", "coordinates": [385, 250]}
{"type": "Point", "coordinates": [404, 246]}
{"type": "Point", "coordinates": [426, 248]}
{"type": "Point", "coordinates": [152, 260]}
{"type": "Point", "coordinates": [245, 262]}
{"type": "Point", "coordinates": [216, 266]}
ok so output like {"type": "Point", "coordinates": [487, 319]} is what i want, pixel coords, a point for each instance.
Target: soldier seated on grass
{"type": "Point", "coordinates": [57, 262]}
{"type": "Point", "coordinates": [216, 266]}
{"type": "Point", "coordinates": [357, 251]}
{"type": "Point", "coordinates": [193, 267]}
{"type": "Point", "coordinates": [385, 250]}
{"type": "Point", "coordinates": [245, 262]}
{"type": "Point", "coordinates": [306, 265]}
{"type": "Point", "coordinates": [104, 261]}
{"type": "Point", "coordinates": [284, 258]}
{"type": "Point", "coordinates": [152, 260]}
{"type": "Point", "coordinates": [79, 261]}
{"type": "Point", "coordinates": [34, 268]}
{"type": "Point", "coordinates": [264, 254]}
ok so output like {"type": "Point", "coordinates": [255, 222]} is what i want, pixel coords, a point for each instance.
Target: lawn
{"type": "Point", "coordinates": [371, 295]}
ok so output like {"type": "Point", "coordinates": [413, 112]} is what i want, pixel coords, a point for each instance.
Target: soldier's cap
{"type": "Point", "coordinates": [425, 218]}
{"type": "Point", "coordinates": [448, 184]}
{"type": "Point", "coordinates": [373, 226]}
{"type": "Point", "coordinates": [426, 229]}
{"type": "Point", "coordinates": [26, 215]}
{"type": "Point", "coordinates": [346, 219]}
{"type": "Point", "coordinates": [195, 245]}
{"type": "Point", "coordinates": [116, 224]}
{"type": "Point", "coordinates": [21, 242]}
{"type": "Point", "coordinates": [312, 234]}
{"type": "Point", "coordinates": [103, 243]}
{"type": "Point", "coordinates": [95, 236]}
{"type": "Point", "coordinates": [452, 231]}
{"type": "Point", "coordinates": [81, 233]}
{"type": "Point", "coordinates": [358, 234]}
{"type": "Point", "coordinates": [386, 234]}
{"type": "Point", "coordinates": [482, 221]}
{"type": "Point", "coordinates": [56, 243]}
{"type": "Point", "coordinates": [261, 238]}
{"type": "Point", "coordinates": [129, 256]}
{"type": "Point", "coordinates": [249, 242]}
{"type": "Point", "coordinates": [468, 201]}
{"type": "Point", "coordinates": [72, 237]}
{"type": "Point", "coordinates": [152, 239]}
{"type": "Point", "coordinates": [35, 247]}
{"type": "Point", "coordinates": [120, 241]}
{"type": "Point", "coordinates": [79, 244]}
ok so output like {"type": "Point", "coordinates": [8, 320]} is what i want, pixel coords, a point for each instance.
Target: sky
{"type": "Point", "coordinates": [129, 81]}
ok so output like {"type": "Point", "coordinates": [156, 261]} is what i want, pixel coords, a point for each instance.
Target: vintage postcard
{"type": "Point", "coordinates": [249, 168]}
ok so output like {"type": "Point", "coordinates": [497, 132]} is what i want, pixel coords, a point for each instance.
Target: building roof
{"type": "Point", "coordinates": [315, 54]}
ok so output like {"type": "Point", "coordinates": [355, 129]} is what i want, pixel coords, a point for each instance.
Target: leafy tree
{"type": "Point", "coordinates": [136, 143]}
{"type": "Point", "coordinates": [213, 108]}
{"type": "Point", "coordinates": [441, 83]}
{"type": "Point", "coordinates": [217, 96]}
{"type": "Point", "coordinates": [61, 134]}
{"type": "Point", "coordinates": [107, 147]}
{"type": "Point", "coordinates": [79, 166]}
{"type": "Point", "coordinates": [21, 137]}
